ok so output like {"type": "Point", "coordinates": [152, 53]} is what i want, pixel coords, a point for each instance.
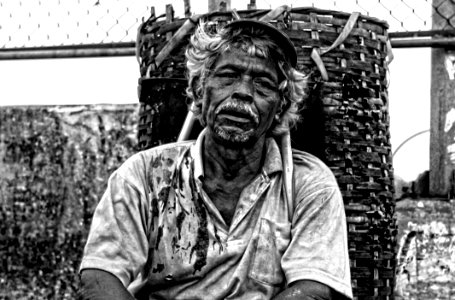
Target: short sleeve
{"type": "Point", "coordinates": [117, 241]}
{"type": "Point", "coordinates": [318, 249]}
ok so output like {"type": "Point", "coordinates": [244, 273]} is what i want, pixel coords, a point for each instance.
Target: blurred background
{"type": "Point", "coordinates": [69, 108]}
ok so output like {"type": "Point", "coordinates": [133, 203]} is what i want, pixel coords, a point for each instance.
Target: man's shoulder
{"type": "Point", "coordinates": [310, 169]}
{"type": "Point", "coordinates": [170, 150]}
{"type": "Point", "coordinates": [307, 160]}
{"type": "Point", "coordinates": [156, 157]}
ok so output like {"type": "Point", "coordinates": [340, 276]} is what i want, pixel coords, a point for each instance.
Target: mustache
{"type": "Point", "coordinates": [238, 108]}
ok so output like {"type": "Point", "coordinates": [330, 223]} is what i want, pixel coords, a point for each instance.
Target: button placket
{"type": "Point", "coordinates": [247, 199]}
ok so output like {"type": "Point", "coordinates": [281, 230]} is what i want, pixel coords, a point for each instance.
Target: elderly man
{"type": "Point", "coordinates": [208, 219]}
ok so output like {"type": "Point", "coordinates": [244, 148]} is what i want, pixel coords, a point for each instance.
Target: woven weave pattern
{"type": "Point", "coordinates": [345, 120]}
{"type": "Point", "coordinates": [346, 124]}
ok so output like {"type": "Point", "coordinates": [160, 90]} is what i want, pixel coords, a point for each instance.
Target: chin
{"type": "Point", "coordinates": [234, 138]}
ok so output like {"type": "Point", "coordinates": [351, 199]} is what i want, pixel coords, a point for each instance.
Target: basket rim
{"type": "Point", "coordinates": [252, 13]}
{"type": "Point", "coordinates": [340, 14]}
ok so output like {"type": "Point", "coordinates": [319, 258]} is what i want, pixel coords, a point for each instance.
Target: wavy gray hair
{"type": "Point", "coordinates": [207, 45]}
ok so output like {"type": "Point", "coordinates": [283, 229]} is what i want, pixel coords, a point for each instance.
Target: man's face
{"type": "Point", "coordinates": [241, 97]}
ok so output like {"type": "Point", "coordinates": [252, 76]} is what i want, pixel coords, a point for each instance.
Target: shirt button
{"type": "Point", "coordinates": [169, 277]}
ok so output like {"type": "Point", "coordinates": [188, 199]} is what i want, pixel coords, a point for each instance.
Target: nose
{"type": "Point", "coordinates": [244, 89]}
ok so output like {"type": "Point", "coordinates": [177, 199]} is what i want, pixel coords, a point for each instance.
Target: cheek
{"type": "Point", "coordinates": [268, 112]}
{"type": "Point", "coordinates": [218, 91]}
{"type": "Point", "coordinates": [208, 103]}
{"type": "Point", "coordinates": [270, 107]}
{"type": "Point", "coordinates": [213, 96]}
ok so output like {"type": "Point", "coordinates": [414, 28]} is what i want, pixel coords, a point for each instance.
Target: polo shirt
{"type": "Point", "coordinates": [157, 230]}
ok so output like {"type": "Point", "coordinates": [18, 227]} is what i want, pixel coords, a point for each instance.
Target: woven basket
{"type": "Point", "coordinates": [345, 120]}
{"type": "Point", "coordinates": [162, 111]}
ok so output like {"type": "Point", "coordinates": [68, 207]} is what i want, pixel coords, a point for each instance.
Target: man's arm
{"type": "Point", "coordinates": [318, 250]}
{"type": "Point", "coordinates": [307, 290]}
{"type": "Point", "coordinates": [117, 245]}
{"type": "Point", "coordinates": [102, 285]}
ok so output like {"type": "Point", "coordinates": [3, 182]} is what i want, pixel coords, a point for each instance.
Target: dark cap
{"type": "Point", "coordinates": [280, 38]}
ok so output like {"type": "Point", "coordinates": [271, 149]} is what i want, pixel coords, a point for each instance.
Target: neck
{"type": "Point", "coordinates": [231, 161]}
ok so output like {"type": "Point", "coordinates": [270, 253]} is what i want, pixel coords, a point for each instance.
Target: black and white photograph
{"type": "Point", "coordinates": [227, 149]}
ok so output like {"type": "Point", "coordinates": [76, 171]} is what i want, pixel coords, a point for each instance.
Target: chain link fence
{"type": "Point", "coordinates": [51, 23]}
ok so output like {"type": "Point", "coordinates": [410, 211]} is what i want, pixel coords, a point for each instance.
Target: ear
{"type": "Point", "coordinates": [281, 108]}
{"type": "Point", "coordinates": [278, 115]}
{"type": "Point", "coordinates": [195, 82]}
{"type": "Point", "coordinates": [279, 111]}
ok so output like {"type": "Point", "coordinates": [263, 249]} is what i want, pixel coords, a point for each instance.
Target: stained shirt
{"type": "Point", "coordinates": [157, 230]}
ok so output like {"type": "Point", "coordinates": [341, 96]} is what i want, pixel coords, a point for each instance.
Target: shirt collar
{"type": "Point", "coordinates": [196, 154]}
{"type": "Point", "coordinates": [272, 162]}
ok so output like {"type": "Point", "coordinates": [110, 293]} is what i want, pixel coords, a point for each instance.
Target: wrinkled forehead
{"type": "Point", "coordinates": [252, 63]}
{"type": "Point", "coordinates": [255, 47]}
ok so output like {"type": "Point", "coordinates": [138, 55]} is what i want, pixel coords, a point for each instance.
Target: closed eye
{"type": "Point", "coordinates": [264, 86]}
{"type": "Point", "coordinates": [226, 74]}
{"type": "Point", "coordinates": [265, 82]}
